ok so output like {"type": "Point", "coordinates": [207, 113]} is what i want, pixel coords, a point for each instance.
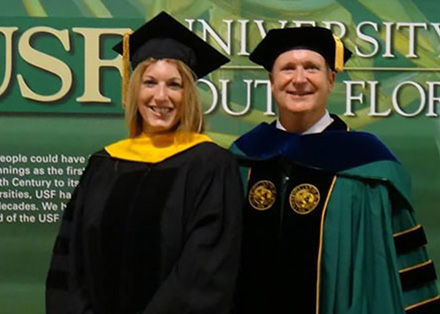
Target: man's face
{"type": "Point", "coordinates": [301, 82]}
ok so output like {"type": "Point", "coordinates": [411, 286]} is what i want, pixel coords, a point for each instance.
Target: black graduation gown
{"type": "Point", "coordinates": [150, 238]}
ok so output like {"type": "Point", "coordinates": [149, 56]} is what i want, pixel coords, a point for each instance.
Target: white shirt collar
{"type": "Point", "coordinates": [318, 127]}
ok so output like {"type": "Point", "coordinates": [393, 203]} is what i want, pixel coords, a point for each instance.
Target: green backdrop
{"type": "Point", "coordinates": [75, 111]}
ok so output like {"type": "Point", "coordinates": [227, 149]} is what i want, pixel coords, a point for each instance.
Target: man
{"type": "Point", "coordinates": [328, 225]}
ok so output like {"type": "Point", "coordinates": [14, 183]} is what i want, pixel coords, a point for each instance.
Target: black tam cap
{"type": "Point", "coordinates": [164, 37]}
{"type": "Point", "coordinates": [318, 39]}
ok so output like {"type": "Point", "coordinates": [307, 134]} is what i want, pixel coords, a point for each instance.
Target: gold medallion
{"type": "Point", "coordinates": [304, 198]}
{"type": "Point", "coordinates": [262, 195]}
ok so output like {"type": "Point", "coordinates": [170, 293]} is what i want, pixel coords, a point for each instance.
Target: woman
{"type": "Point", "coordinates": [154, 225]}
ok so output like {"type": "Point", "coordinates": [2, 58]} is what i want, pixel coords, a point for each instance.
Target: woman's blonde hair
{"type": "Point", "coordinates": [191, 114]}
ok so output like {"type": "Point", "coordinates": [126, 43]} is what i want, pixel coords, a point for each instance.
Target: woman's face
{"type": "Point", "coordinates": [160, 97]}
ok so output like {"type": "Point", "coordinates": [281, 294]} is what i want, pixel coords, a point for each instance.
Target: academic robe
{"type": "Point", "coordinates": [328, 227]}
{"type": "Point", "coordinates": [150, 231]}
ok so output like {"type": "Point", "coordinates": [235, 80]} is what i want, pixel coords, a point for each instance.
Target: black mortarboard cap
{"type": "Point", "coordinates": [318, 39]}
{"type": "Point", "coordinates": [165, 37]}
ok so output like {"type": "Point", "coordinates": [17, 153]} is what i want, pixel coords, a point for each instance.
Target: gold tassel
{"type": "Point", "coordinates": [339, 54]}
{"type": "Point", "coordinates": [125, 67]}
